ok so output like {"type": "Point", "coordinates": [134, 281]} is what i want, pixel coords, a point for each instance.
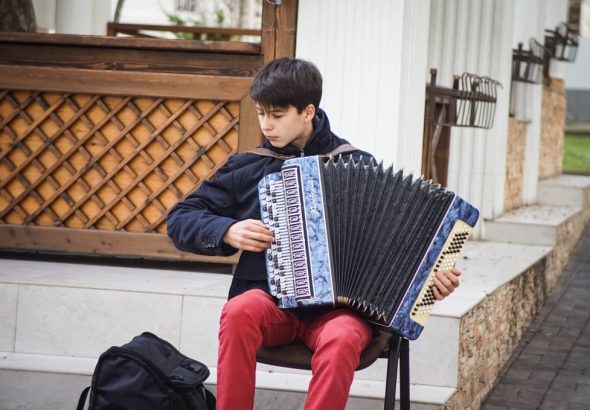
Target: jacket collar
{"type": "Point", "coordinates": [320, 141]}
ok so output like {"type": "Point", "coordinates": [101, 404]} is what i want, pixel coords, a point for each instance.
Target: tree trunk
{"type": "Point", "coordinates": [17, 15]}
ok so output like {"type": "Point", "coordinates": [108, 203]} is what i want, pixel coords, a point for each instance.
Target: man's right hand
{"type": "Point", "coordinates": [249, 235]}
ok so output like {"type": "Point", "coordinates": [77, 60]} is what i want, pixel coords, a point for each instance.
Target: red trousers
{"type": "Point", "coordinates": [252, 320]}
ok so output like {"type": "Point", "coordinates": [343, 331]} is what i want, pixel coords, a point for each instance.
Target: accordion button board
{"type": "Point", "coordinates": [358, 235]}
{"type": "Point", "coordinates": [445, 261]}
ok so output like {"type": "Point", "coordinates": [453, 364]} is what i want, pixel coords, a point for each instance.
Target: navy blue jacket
{"type": "Point", "coordinates": [199, 223]}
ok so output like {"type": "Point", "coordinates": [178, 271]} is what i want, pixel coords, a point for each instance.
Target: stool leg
{"type": "Point", "coordinates": [391, 379]}
{"type": "Point", "coordinates": [404, 374]}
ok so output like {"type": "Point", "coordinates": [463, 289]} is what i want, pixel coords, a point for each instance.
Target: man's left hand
{"type": "Point", "coordinates": [445, 283]}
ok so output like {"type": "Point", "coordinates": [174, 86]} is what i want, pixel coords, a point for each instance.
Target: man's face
{"type": "Point", "coordinates": [284, 126]}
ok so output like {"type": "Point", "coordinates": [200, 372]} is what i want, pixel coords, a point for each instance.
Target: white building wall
{"type": "Point", "coordinates": [555, 13]}
{"type": "Point", "coordinates": [577, 75]}
{"type": "Point", "coordinates": [372, 56]}
{"type": "Point", "coordinates": [82, 17]}
{"type": "Point", "coordinates": [529, 22]}
{"type": "Point", "coordinates": [475, 36]}
{"type": "Point", "coordinates": [414, 75]}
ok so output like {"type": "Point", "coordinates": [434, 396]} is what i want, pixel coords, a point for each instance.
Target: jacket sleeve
{"type": "Point", "coordinates": [198, 223]}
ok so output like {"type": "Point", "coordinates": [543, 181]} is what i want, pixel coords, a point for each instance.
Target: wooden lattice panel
{"type": "Point", "coordinates": [113, 163]}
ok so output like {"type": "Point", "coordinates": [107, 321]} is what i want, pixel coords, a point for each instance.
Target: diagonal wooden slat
{"type": "Point", "coordinates": [65, 196]}
{"type": "Point", "coordinates": [130, 136]}
{"type": "Point", "coordinates": [182, 131]}
{"type": "Point", "coordinates": [41, 148]}
{"type": "Point", "coordinates": [178, 173]}
{"type": "Point", "coordinates": [35, 162]}
{"type": "Point", "coordinates": [127, 160]}
{"type": "Point", "coordinates": [149, 169]}
{"type": "Point", "coordinates": [132, 180]}
{"type": "Point", "coordinates": [17, 109]}
{"type": "Point", "coordinates": [104, 150]}
{"type": "Point", "coordinates": [69, 153]}
{"type": "Point", "coordinates": [112, 151]}
{"type": "Point", "coordinates": [165, 145]}
{"type": "Point", "coordinates": [152, 227]}
{"type": "Point", "coordinates": [33, 126]}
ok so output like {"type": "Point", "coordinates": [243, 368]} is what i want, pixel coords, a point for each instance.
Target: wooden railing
{"type": "Point", "coordinates": [188, 32]}
{"type": "Point", "coordinates": [100, 136]}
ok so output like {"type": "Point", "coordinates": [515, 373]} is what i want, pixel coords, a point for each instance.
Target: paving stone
{"type": "Point", "coordinates": [542, 376]}
{"type": "Point", "coordinates": [517, 375]}
{"type": "Point", "coordinates": [575, 378]}
{"type": "Point", "coordinates": [494, 407]}
{"type": "Point", "coordinates": [553, 405]}
{"type": "Point", "coordinates": [577, 406]}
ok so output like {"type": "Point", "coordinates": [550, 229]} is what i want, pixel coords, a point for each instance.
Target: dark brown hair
{"type": "Point", "coordinates": [287, 81]}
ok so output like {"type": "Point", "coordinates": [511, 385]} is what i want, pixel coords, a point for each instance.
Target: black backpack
{"type": "Point", "coordinates": [147, 373]}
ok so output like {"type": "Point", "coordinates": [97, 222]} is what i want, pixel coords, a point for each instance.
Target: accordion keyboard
{"type": "Point", "coordinates": [278, 258]}
{"type": "Point", "coordinates": [445, 261]}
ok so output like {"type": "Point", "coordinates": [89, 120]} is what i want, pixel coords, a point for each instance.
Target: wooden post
{"type": "Point", "coordinates": [279, 29]}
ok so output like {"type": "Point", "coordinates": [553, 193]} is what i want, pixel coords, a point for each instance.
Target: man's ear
{"type": "Point", "coordinates": [309, 112]}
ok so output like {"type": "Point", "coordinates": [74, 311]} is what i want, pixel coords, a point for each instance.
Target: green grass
{"type": "Point", "coordinates": [576, 155]}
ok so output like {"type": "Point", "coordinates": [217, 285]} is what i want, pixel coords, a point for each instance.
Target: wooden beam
{"type": "Point", "coordinates": [286, 29]}
{"type": "Point", "coordinates": [123, 83]}
{"type": "Point", "coordinates": [279, 29]}
{"type": "Point", "coordinates": [105, 42]}
{"type": "Point", "coordinates": [267, 40]}
{"type": "Point", "coordinates": [97, 242]}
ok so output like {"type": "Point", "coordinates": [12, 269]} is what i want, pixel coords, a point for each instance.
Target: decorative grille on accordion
{"type": "Point", "coordinates": [356, 234]}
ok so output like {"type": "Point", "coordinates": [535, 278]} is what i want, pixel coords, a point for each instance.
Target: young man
{"type": "Point", "coordinates": [223, 216]}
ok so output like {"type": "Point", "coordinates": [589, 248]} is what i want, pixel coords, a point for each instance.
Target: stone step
{"type": "Point", "coordinates": [568, 190]}
{"type": "Point", "coordinates": [33, 381]}
{"type": "Point", "coordinates": [534, 225]}
{"type": "Point", "coordinates": [66, 311]}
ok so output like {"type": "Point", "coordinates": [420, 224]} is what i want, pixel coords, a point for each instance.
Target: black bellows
{"type": "Point", "coordinates": [380, 225]}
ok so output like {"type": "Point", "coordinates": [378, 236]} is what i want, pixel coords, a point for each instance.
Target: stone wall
{"type": "Point", "coordinates": [566, 238]}
{"type": "Point", "coordinates": [514, 164]}
{"type": "Point", "coordinates": [491, 332]}
{"type": "Point", "coordinates": [552, 128]}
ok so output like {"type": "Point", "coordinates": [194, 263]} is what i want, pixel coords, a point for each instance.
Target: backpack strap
{"type": "Point", "coordinates": [265, 152]}
{"type": "Point", "coordinates": [342, 149]}
{"type": "Point", "coordinates": [82, 400]}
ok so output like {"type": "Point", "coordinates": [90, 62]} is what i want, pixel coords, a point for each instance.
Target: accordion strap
{"type": "Point", "coordinates": [342, 149]}
{"type": "Point", "coordinates": [265, 152]}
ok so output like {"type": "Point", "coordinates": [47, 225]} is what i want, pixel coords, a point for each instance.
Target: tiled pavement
{"type": "Point", "coordinates": [551, 367]}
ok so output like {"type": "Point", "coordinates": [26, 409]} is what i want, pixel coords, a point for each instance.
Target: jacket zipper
{"type": "Point", "coordinates": [302, 152]}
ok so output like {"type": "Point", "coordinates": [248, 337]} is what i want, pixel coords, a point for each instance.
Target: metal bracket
{"type": "Point", "coordinates": [562, 42]}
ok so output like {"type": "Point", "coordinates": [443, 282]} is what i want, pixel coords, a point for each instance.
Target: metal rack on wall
{"type": "Point", "coordinates": [470, 102]}
{"type": "Point", "coordinates": [562, 43]}
{"type": "Point", "coordinates": [528, 66]}
{"type": "Point", "coordinates": [532, 66]}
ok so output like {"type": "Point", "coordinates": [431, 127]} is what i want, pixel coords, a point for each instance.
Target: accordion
{"type": "Point", "coordinates": [359, 235]}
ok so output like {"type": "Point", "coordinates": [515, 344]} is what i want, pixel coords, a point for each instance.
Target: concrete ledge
{"type": "Point", "coordinates": [77, 295]}
{"type": "Point", "coordinates": [59, 366]}
{"type": "Point", "coordinates": [565, 190]}
{"type": "Point", "coordinates": [87, 276]}
{"type": "Point", "coordinates": [533, 225]}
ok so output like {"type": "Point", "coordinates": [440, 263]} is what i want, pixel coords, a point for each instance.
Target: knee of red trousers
{"type": "Point", "coordinates": [243, 310]}
{"type": "Point", "coordinates": [341, 343]}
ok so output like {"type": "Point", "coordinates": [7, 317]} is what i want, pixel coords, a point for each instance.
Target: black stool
{"type": "Point", "coordinates": [385, 345]}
